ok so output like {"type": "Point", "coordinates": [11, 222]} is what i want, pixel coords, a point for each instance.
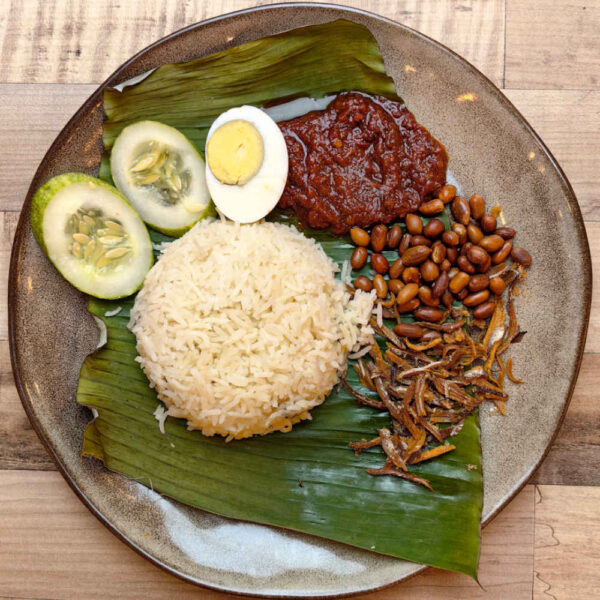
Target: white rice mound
{"type": "Point", "coordinates": [242, 329]}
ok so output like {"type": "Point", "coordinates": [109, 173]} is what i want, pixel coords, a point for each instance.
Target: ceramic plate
{"type": "Point", "coordinates": [492, 150]}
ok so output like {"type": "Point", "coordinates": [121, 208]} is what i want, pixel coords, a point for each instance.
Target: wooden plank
{"type": "Point", "coordinates": [454, 24]}
{"type": "Point", "coordinates": [552, 44]}
{"type": "Point", "coordinates": [50, 542]}
{"type": "Point", "coordinates": [31, 116]}
{"type": "Point", "coordinates": [574, 458]}
{"type": "Point", "coordinates": [593, 337]}
{"type": "Point", "coordinates": [20, 447]}
{"type": "Point", "coordinates": [567, 543]}
{"type": "Point", "coordinates": [64, 42]}
{"type": "Point", "coordinates": [8, 225]}
{"type": "Point", "coordinates": [569, 123]}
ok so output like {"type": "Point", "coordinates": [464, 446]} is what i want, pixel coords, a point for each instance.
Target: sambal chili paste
{"type": "Point", "coordinates": [362, 160]}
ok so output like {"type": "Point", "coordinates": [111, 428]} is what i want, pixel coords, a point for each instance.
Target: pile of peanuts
{"type": "Point", "coordinates": [434, 266]}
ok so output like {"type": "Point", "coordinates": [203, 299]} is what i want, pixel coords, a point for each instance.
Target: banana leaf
{"type": "Point", "coordinates": [309, 61]}
{"type": "Point", "coordinates": [307, 480]}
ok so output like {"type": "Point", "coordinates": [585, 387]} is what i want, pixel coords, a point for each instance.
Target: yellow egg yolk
{"type": "Point", "coordinates": [235, 152]}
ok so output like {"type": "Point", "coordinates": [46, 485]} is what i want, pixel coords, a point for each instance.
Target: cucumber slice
{"type": "Point", "coordinates": [162, 174]}
{"type": "Point", "coordinates": [92, 235]}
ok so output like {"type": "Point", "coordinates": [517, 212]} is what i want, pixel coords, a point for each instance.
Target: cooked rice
{"type": "Point", "coordinates": [242, 329]}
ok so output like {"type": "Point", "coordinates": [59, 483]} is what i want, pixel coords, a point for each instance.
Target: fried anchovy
{"type": "Point", "coordinates": [364, 444]}
{"type": "Point", "coordinates": [390, 470]}
{"type": "Point", "coordinates": [387, 443]}
{"type": "Point", "coordinates": [362, 399]}
{"type": "Point", "coordinates": [429, 454]}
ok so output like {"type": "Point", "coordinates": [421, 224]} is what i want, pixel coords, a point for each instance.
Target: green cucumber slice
{"type": "Point", "coordinates": [162, 174]}
{"type": "Point", "coordinates": [92, 235]}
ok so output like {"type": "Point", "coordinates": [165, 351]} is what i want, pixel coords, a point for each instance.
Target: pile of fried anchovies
{"type": "Point", "coordinates": [430, 388]}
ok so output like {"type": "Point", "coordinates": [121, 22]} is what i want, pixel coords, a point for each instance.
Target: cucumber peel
{"type": "Point", "coordinates": [92, 235]}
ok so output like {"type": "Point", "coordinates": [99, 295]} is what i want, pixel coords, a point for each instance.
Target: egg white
{"type": "Point", "coordinates": [258, 197]}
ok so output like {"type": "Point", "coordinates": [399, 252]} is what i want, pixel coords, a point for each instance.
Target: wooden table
{"type": "Point", "coordinates": [544, 54]}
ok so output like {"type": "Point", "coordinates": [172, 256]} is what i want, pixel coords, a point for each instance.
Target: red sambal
{"type": "Point", "coordinates": [362, 160]}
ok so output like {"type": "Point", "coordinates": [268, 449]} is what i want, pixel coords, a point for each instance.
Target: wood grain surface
{"type": "Point", "coordinates": [545, 54]}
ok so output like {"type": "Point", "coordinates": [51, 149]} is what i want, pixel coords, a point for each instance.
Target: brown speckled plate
{"type": "Point", "coordinates": [492, 151]}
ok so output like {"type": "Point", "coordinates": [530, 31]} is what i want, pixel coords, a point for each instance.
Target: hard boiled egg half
{"type": "Point", "coordinates": [246, 163]}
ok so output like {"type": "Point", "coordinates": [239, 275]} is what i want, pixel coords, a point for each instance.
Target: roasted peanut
{"type": "Point", "coordinates": [379, 263]}
{"type": "Point", "coordinates": [438, 252]}
{"type": "Point", "coordinates": [477, 206]}
{"type": "Point", "coordinates": [359, 236]}
{"type": "Point", "coordinates": [459, 282]}
{"type": "Point", "coordinates": [409, 330]}
{"type": "Point", "coordinates": [447, 193]}
{"type": "Point", "coordinates": [508, 233]}
{"type": "Point", "coordinates": [378, 237]}
{"type": "Point", "coordinates": [445, 265]}
{"type": "Point", "coordinates": [488, 223]}
{"type": "Point", "coordinates": [415, 255]}
{"type": "Point", "coordinates": [395, 285]}
{"type": "Point", "coordinates": [359, 257]}
{"type": "Point", "coordinates": [363, 283]}
{"type": "Point", "coordinates": [474, 234]}
{"type": "Point", "coordinates": [492, 243]}
{"type": "Point", "coordinates": [414, 224]}
{"type": "Point", "coordinates": [420, 240]}
{"type": "Point", "coordinates": [380, 285]}
{"type": "Point", "coordinates": [477, 298]}
{"type": "Point", "coordinates": [429, 271]}
{"type": "Point", "coordinates": [440, 285]}
{"type": "Point", "coordinates": [396, 269]}
{"type": "Point", "coordinates": [411, 275]}
{"type": "Point", "coordinates": [479, 282]}
{"type": "Point", "coordinates": [503, 253]}
{"type": "Point", "coordinates": [462, 294]}
{"type": "Point", "coordinates": [404, 243]}
{"type": "Point", "coordinates": [497, 285]}
{"type": "Point", "coordinates": [434, 228]}
{"type": "Point", "coordinates": [461, 210]}
{"type": "Point", "coordinates": [485, 310]}
{"type": "Point", "coordinates": [452, 254]}
{"type": "Point", "coordinates": [450, 238]}
{"type": "Point", "coordinates": [477, 255]}
{"type": "Point", "coordinates": [428, 313]}
{"type": "Point", "coordinates": [521, 256]}
{"type": "Point", "coordinates": [394, 236]}
{"type": "Point", "coordinates": [407, 293]}
{"type": "Point", "coordinates": [433, 207]}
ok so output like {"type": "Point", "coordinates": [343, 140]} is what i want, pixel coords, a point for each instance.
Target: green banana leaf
{"type": "Point", "coordinates": [315, 483]}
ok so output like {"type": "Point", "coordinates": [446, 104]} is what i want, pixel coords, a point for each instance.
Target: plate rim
{"type": "Point", "coordinates": [112, 79]}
